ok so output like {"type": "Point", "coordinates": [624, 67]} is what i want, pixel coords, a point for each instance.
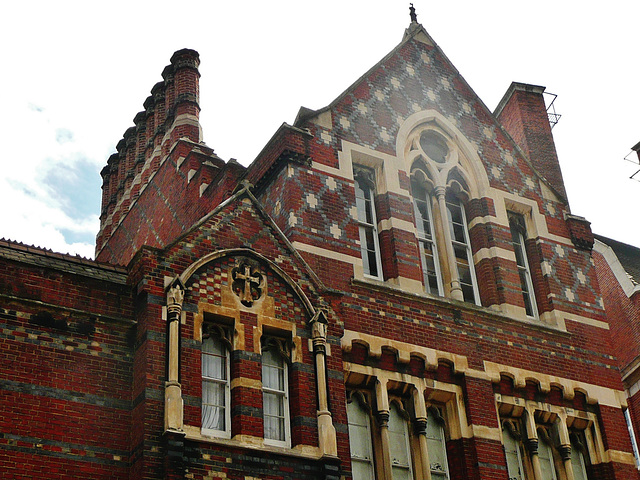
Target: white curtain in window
{"type": "Point", "coordinates": [214, 384]}
{"type": "Point", "coordinates": [274, 395]}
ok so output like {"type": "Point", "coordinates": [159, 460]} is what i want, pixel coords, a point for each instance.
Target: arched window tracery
{"type": "Point", "coordinates": [440, 186]}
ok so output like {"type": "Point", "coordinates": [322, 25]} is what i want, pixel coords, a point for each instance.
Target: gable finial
{"type": "Point", "coordinates": [412, 14]}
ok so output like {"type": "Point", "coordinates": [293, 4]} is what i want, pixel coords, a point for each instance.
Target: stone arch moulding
{"type": "Point", "coordinates": [247, 252]}
{"type": "Point", "coordinates": [479, 185]}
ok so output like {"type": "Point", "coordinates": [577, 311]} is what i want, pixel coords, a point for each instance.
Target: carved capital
{"type": "Point", "coordinates": [319, 346]}
{"type": "Point", "coordinates": [420, 426]}
{"type": "Point", "coordinates": [532, 445]}
{"type": "Point", "coordinates": [565, 452]}
{"type": "Point", "coordinates": [318, 331]}
{"type": "Point", "coordinates": [175, 297]}
{"type": "Point", "coordinates": [440, 191]}
{"type": "Point", "coordinates": [382, 416]}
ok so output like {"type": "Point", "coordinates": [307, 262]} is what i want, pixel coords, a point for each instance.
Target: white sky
{"type": "Point", "coordinates": [75, 74]}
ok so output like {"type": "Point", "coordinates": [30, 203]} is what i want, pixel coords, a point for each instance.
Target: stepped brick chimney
{"type": "Point", "coordinates": [523, 114]}
{"type": "Point", "coordinates": [171, 113]}
{"type": "Point", "coordinates": [165, 149]}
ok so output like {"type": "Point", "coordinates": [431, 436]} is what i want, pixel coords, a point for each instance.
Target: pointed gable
{"type": "Point", "coordinates": [241, 223]}
{"type": "Point", "coordinates": [417, 76]}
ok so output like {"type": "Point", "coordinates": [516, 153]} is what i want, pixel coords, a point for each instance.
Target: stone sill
{"type": "Point", "coordinates": [248, 442]}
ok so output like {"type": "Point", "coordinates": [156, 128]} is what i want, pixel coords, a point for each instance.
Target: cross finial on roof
{"type": "Point", "coordinates": [412, 13]}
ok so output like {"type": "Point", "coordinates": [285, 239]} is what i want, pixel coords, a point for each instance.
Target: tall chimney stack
{"type": "Point", "coordinates": [523, 114]}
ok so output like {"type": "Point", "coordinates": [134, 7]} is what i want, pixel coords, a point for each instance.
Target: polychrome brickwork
{"type": "Point", "coordinates": [101, 363]}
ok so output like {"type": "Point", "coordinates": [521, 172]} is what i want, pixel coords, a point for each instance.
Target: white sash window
{"type": "Point", "coordinates": [216, 418]}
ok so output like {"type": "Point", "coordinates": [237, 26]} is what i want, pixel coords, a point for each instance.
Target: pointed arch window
{"type": "Point", "coordinates": [365, 182]}
{"type": "Point", "coordinates": [216, 415]}
{"type": "Point", "coordinates": [439, 183]}
{"type": "Point", "coordinates": [462, 248]}
{"type": "Point", "coordinates": [422, 202]}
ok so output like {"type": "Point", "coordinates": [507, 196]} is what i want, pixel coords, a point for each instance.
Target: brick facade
{"type": "Point", "coordinates": [105, 371]}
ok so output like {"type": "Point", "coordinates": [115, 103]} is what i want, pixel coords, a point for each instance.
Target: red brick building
{"type": "Point", "coordinates": [618, 268]}
{"type": "Point", "coordinates": [394, 288]}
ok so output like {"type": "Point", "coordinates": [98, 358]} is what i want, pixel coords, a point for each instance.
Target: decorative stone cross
{"type": "Point", "coordinates": [243, 280]}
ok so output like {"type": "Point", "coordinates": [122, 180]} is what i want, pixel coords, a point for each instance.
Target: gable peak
{"type": "Point", "coordinates": [416, 30]}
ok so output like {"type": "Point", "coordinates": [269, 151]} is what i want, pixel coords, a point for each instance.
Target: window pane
{"type": "Point", "coordinates": [360, 442]}
{"type": "Point", "coordinates": [213, 346]}
{"type": "Point", "coordinates": [360, 203]}
{"type": "Point", "coordinates": [368, 249]}
{"type": "Point", "coordinates": [364, 202]}
{"type": "Point", "coordinates": [214, 359]}
{"type": "Point", "coordinates": [274, 395]}
{"type": "Point", "coordinates": [372, 262]}
{"type": "Point", "coordinates": [274, 428]}
{"type": "Point", "coordinates": [273, 405]}
{"type": "Point", "coordinates": [546, 460]}
{"type": "Point", "coordinates": [213, 403]}
{"type": "Point", "coordinates": [273, 370]}
{"type": "Point", "coordinates": [399, 445]}
{"type": "Point", "coordinates": [436, 448]}
{"type": "Point", "coordinates": [512, 453]}
{"type": "Point", "coordinates": [427, 252]}
{"type": "Point", "coordinates": [214, 384]}
{"type": "Point", "coordinates": [361, 470]}
{"type": "Point", "coordinates": [369, 239]}
{"type": "Point", "coordinates": [519, 251]}
{"type": "Point", "coordinates": [400, 473]}
{"type": "Point", "coordinates": [577, 462]}
{"type": "Point", "coordinates": [434, 146]}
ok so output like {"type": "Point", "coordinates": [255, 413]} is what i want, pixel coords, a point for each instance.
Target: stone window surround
{"type": "Point", "coordinates": [519, 236]}
{"type": "Point", "coordinates": [532, 415]}
{"type": "Point", "coordinates": [380, 388]}
{"type": "Point", "coordinates": [221, 329]}
{"type": "Point", "coordinates": [266, 325]}
{"type": "Point", "coordinates": [363, 225]}
{"type": "Point", "coordinates": [174, 315]}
